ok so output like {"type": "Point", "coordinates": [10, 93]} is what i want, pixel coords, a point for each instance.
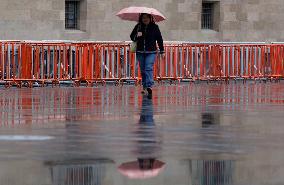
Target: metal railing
{"type": "Point", "coordinates": [27, 62]}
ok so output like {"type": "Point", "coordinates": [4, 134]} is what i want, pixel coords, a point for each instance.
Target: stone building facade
{"type": "Point", "coordinates": [187, 20]}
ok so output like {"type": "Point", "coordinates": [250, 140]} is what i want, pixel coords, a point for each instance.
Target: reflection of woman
{"type": "Point", "coordinates": [146, 33]}
{"type": "Point", "coordinates": [147, 141]}
{"type": "Point", "coordinates": [147, 113]}
{"type": "Point", "coordinates": [146, 165]}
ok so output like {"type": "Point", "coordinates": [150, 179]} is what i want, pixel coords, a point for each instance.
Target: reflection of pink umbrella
{"type": "Point", "coordinates": [132, 13]}
{"type": "Point", "coordinates": [132, 170]}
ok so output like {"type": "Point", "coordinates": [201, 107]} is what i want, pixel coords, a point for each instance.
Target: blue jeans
{"type": "Point", "coordinates": [146, 61]}
{"type": "Point", "coordinates": [147, 113]}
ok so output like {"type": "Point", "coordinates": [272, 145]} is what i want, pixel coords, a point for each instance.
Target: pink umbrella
{"type": "Point", "coordinates": [132, 13]}
{"type": "Point", "coordinates": [133, 171]}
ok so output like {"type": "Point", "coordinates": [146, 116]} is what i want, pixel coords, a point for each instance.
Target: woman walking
{"type": "Point", "coordinates": [147, 34]}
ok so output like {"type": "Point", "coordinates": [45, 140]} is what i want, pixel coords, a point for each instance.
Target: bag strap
{"type": "Point", "coordinates": [138, 28]}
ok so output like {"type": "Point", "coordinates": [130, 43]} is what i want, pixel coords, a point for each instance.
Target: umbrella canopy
{"type": "Point", "coordinates": [132, 13]}
{"type": "Point", "coordinates": [132, 170]}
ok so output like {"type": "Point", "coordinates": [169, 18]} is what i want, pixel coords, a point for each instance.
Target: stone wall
{"type": "Point", "coordinates": [31, 19]}
{"type": "Point", "coordinates": [240, 20]}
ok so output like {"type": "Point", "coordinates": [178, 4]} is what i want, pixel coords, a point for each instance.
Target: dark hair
{"type": "Point", "coordinates": [149, 15]}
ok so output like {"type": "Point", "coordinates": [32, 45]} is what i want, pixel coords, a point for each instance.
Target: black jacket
{"type": "Point", "coordinates": [150, 36]}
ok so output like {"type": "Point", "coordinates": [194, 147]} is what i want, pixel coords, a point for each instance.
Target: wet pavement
{"type": "Point", "coordinates": [188, 134]}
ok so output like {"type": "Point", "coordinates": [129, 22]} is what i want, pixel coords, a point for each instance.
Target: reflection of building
{"type": "Point", "coordinates": [210, 119]}
{"type": "Point", "coordinates": [78, 173]}
{"type": "Point", "coordinates": [212, 172]}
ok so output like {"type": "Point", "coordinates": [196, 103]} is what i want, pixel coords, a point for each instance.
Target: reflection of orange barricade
{"type": "Point", "coordinates": [92, 62]}
{"type": "Point", "coordinates": [61, 104]}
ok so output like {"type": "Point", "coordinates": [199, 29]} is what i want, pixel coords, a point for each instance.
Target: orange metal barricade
{"type": "Point", "coordinates": [92, 62]}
